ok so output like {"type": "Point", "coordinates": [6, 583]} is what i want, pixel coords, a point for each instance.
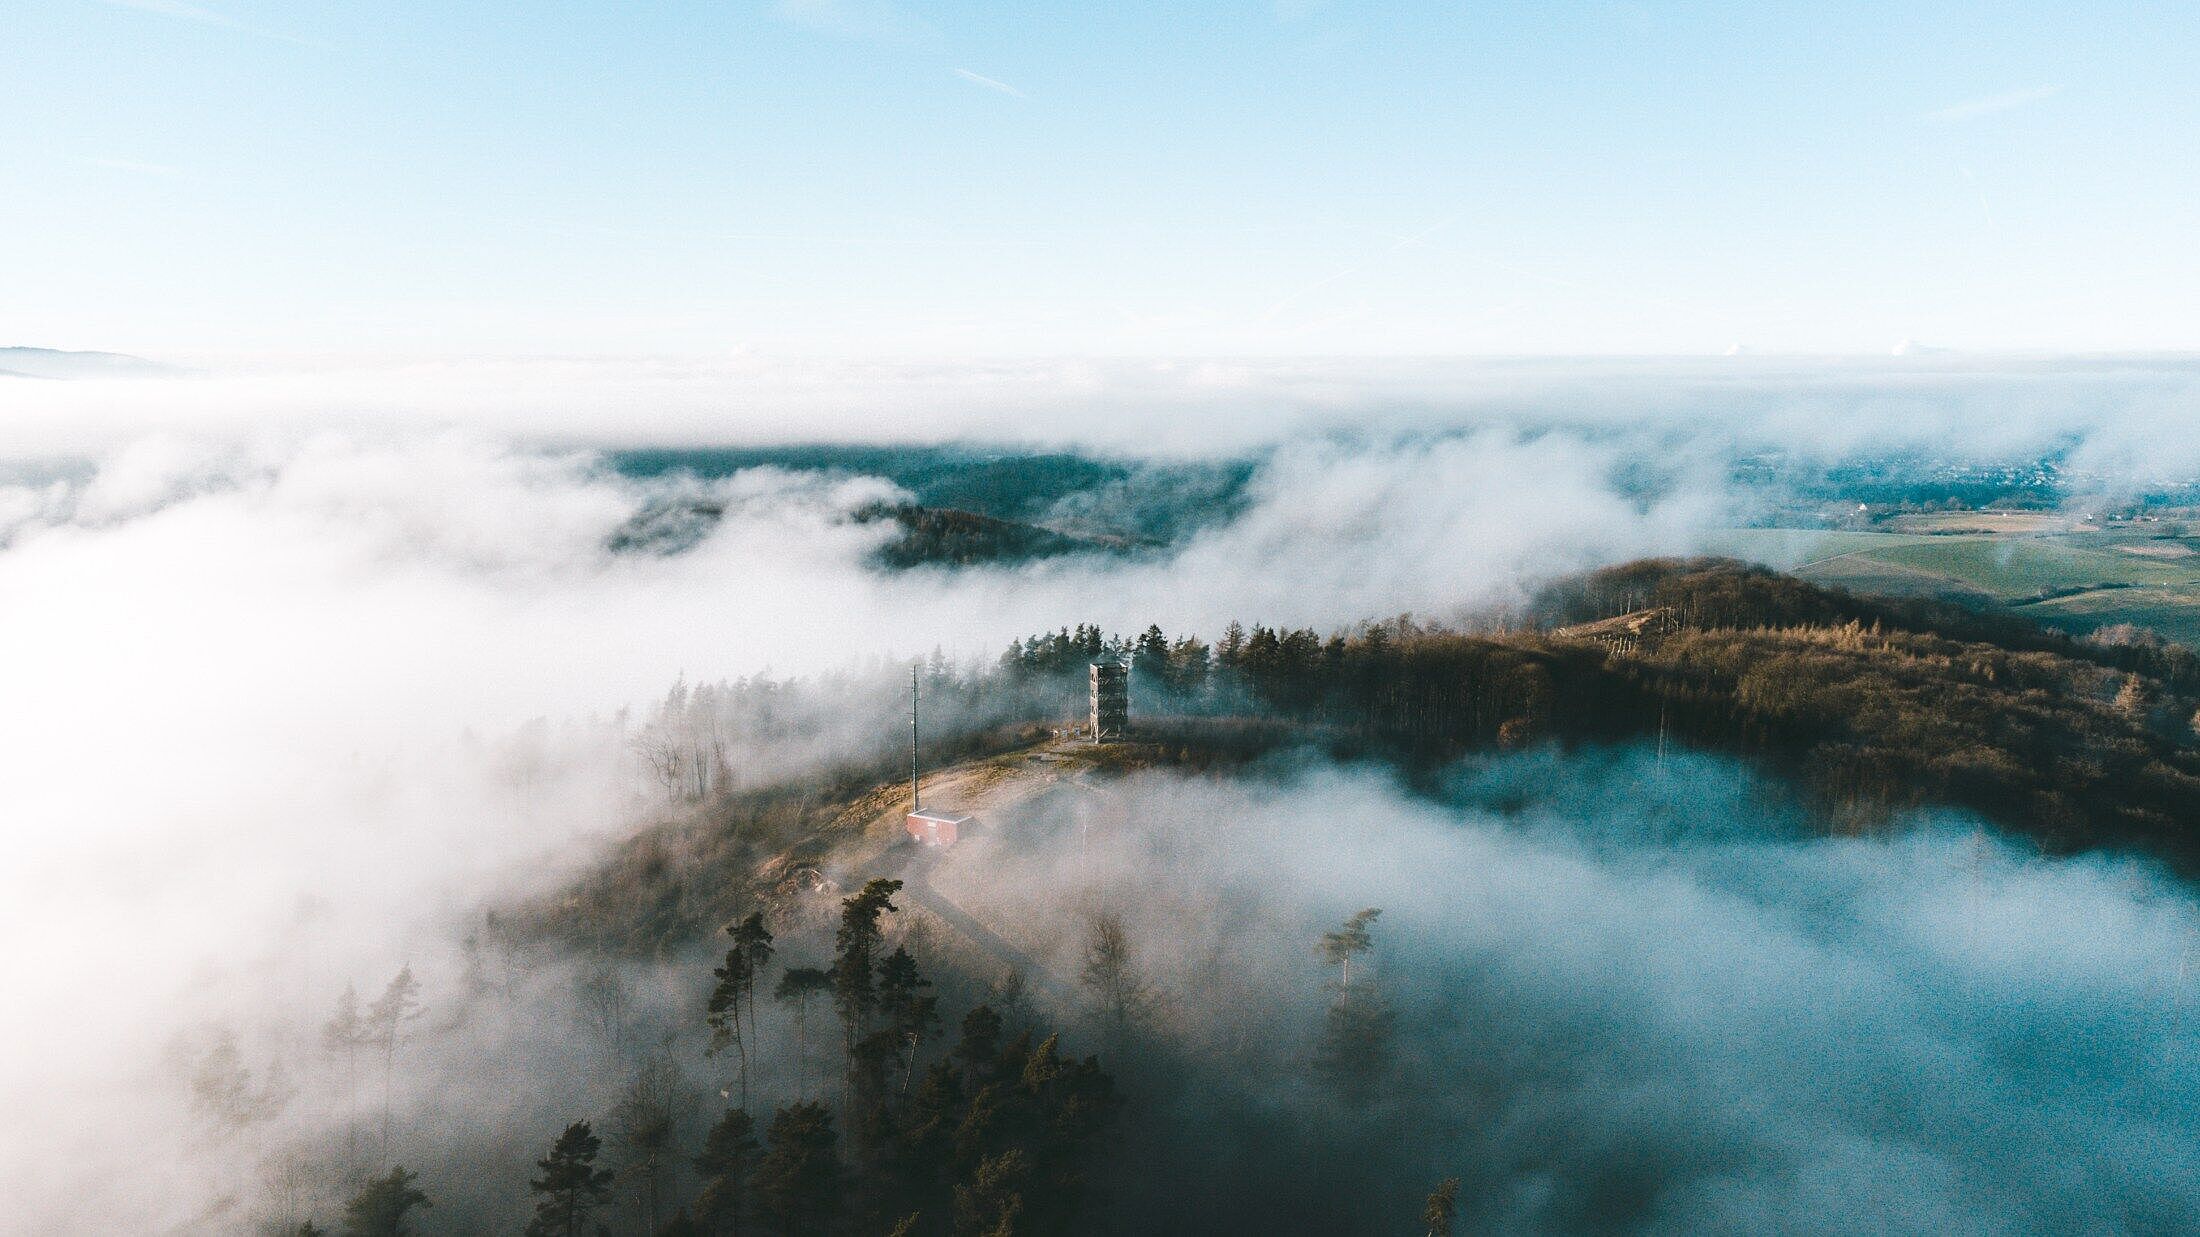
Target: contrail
{"type": "Point", "coordinates": [1972, 109]}
{"type": "Point", "coordinates": [990, 83]}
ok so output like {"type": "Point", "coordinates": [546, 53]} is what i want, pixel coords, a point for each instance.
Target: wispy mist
{"type": "Point", "coordinates": [265, 678]}
{"type": "Point", "coordinates": [1637, 996]}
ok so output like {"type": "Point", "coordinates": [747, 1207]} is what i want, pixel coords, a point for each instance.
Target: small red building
{"type": "Point", "coordinates": [936, 828]}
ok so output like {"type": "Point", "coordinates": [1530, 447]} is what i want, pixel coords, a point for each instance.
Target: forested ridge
{"type": "Point", "coordinates": [1873, 704]}
{"type": "Point", "coordinates": [910, 1120]}
{"type": "Point", "coordinates": [1868, 705]}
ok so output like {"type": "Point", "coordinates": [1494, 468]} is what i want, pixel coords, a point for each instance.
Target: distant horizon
{"type": "Point", "coordinates": [1656, 551]}
{"type": "Point", "coordinates": [1914, 351]}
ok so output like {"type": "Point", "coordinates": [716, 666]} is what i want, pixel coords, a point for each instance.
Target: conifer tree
{"type": "Point", "coordinates": [223, 1089]}
{"type": "Point", "coordinates": [870, 1096]}
{"type": "Point", "coordinates": [908, 1012]}
{"type": "Point", "coordinates": [797, 1183]}
{"type": "Point", "coordinates": [727, 1160]}
{"type": "Point", "coordinates": [1339, 948]}
{"type": "Point", "coordinates": [1189, 666]}
{"type": "Point", "coordinates": [799, 987]}
{"type": "Point", "coordinates": [855, 945]}
{"type": "Point", "coordinates": [731, 1012]}
{"type": "Point", "coordinates": [925, 1144]}
{"type": "Point", "coordinates": [344, 1033]}
{"type": "Point", "coordinates": [980, 1044]}
{"type": "Point", "coordinates": [385, 1024]}
{"type": "Point", "coordinates": [1442, 1208]}
{"type": "Point", "coordinates": [992, 1204]}
{"type": "Point", "coordinates": [1357, 1039]}
{"type": "Point", "coordinates": [380, 1209]}
{"type": "Point", "coordinates": [647, 1122]}
{"type": "Point", "coordinates": [1150, 659]}
{"type": "Point", "coordinates": [571, 1186]}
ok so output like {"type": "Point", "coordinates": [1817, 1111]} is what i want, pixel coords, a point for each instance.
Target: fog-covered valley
{"type": "Point", "coordinates": [299, 704]}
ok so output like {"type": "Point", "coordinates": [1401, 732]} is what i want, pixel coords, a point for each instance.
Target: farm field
{"type": "Point", "coordinates": [2081, 579]}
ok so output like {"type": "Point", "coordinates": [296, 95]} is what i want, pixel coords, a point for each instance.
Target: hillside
{"type": "Point", "coordinates": [2079, 572]}
{"type": "Point", "coordinates": [1459, 781]}
{"type": "Point", "coordinates": [949, 537]}
{"type": "Point", "coordinates": [1864, 705]}
{"type": "Point", "coordinates": [55, 363]}
{"type": "Point", "coordinates": [924, 536]}
{"type": "Point", "coordinates": [1073, 494]}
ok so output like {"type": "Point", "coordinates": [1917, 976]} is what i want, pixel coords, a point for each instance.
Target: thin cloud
{"type": "Point", "coordinates": [1972, 109]}
{"type": "Point", "coordinates": [204, 16]}
{"type": "Point", "coordinates": [990, 83]}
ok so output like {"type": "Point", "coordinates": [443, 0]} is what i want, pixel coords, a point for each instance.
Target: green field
{"type": "Point", "coordinates": [2148, 575]}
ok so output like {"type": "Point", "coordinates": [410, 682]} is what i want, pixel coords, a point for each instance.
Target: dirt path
{"type": "Point", "coordinates": [912, 866]}
{"type": "Point", "coordinates": [991, 789]}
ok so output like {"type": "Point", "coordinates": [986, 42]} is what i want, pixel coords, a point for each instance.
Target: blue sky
{"type": "Point", "coordinates": [866, 176]}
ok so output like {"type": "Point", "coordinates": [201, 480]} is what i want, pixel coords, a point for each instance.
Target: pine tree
{"type": "Point", "coordinates": [980, 1044]}
{"type": "Point", "coordinates": [1339, 948]}
{"type": "Point", "coordinates": [1150, 659]}
{"type": "Point", "coordinates": [799, 987]}
{"type": "Point", "coordinates": [380, 1209]}
{"type": "Point", "coordinates": [571, 1186]}
{"type": "Point", "coordinates": [736, 992]}
{"type": "Point", "coordinates": [1047, 1108]}
{"type": "Point", "coordinates": [909, 1013]}
{"type": "Point", "coordinates": [725, 1164]}
{"type": "Point", "coordinates": [1442, 1208]}
{"type": "Point", "coordinates": [1359, 1029]}
{"type": "Point", "coordinates": [385, 1024]}
{"type": "Point", "coordinates": [924, 1153]}
{"type": "Point", "coordinates": [855, 989]}
{"type": "Point", "coordinates": [1189, 665]}
{"type": "Point", "coordinates": [870, 1107]}
{"type": "Point", "coordinates": [344, 1034]}
{"type": "Point", "coordinates": [223, 1090]}
{"type": "Point", "coordinates": [992, 1204]}
{"type": "Point", "coordinates": [797, 1183]}
{"type": "Point", "coordinates": [647, 1122]}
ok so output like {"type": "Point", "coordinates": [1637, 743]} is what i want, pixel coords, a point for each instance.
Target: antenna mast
{"type": "Point", "coordinates": [914, 802]}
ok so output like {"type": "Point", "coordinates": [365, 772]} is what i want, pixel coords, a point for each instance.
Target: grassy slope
{"type": "Point", "coordinates": [2147, 587]}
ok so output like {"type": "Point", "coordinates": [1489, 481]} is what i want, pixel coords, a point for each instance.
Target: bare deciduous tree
{"type": "Point", "coordinates": [1111, 973]}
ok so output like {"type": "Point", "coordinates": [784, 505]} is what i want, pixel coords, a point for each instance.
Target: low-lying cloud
{"type": "Point", "coordinates": [1654, 998]}
{"type": "Point", "coordinates": [267, 637]}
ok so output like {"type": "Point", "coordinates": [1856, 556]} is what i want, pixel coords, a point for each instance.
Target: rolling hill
{"type": "Point", "coordinates": [54, 363]}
